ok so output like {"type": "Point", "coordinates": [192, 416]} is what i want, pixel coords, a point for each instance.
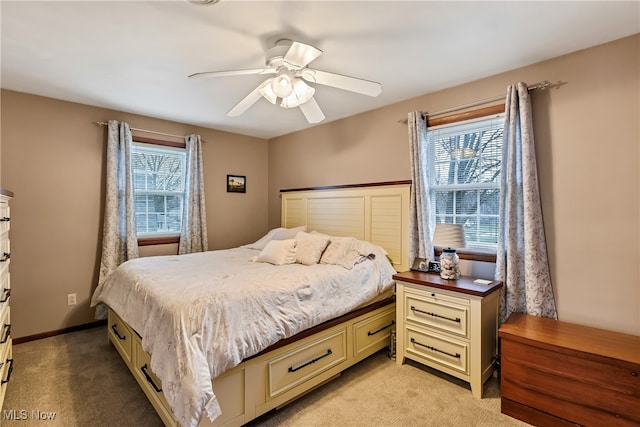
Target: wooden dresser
{"type": "Point", "coordinates": [557, 373]}
{"type": "Point", "coordinates": [449, 325]}
{"type": "Point", "coordinates": [6, 360]}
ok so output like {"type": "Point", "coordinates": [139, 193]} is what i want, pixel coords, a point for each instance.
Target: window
{"type": "Point", "coordinates": [158, 183]}
{"type": "Point", "coordinates": [465, 167]}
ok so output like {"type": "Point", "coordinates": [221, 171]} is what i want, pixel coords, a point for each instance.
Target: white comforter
{"type": "Point", "coordinates": [202, 314]}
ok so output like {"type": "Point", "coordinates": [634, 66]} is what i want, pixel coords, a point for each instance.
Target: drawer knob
{"type": "Point", "coordinates": [5, 257]}
{"type": "Point", "coordinates": [5, 219]}
{"type": "Point", "coordinates": [7, 293]}
{"type": "Point", "coordinates": [634, 374]}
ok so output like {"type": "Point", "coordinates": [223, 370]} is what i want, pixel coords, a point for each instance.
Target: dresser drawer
{"type": "Point", "coordinates": [558, 381]}
{"type": "Point", "coordinates": [305, 362]}
{"type": "Point", "coordinates": [6, 368]}
{"type": "Point", "coordinates": [121, 336]}
{"type": "Point", "coordinates": [439, 311]}
{"type": "Point", "coordinates": [439, 349]}
{"type": "Point", "coordinates": [5, 217]}
{"type": "Point", "coordinates": [5, 292]}
{"type": "Point", "coordinates": [370, 333]}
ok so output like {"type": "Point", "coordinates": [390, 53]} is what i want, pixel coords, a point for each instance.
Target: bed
{"type": "Point", "coordinates": [224, 358]}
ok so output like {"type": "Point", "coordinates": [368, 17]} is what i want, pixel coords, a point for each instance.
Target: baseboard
{"type": "Point", "coordinates": [59, 332]}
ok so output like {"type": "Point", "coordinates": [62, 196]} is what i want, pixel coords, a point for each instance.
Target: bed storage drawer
{"type": "Point", "coordinates": [151, 384]}
{"type": "Point", "coordinates": [304, 362]}
{"type": "Point", "coordinates": [370, 333]}
{"type": "Point", "coordinates": [121, 336]}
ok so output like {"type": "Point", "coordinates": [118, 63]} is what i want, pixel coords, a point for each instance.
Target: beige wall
{"type": "Point", "coordinates": [53, 159]}
{"type": "Point", "coordinates": [587, 142]}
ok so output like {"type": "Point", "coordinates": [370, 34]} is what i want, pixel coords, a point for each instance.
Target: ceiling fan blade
{"type": "Point", "coordinates": [300, 54]}
{"type": "Point", "coordinates": [246, 103]}
{"type": "Point", "coordinates": [312, 111]}
{"type": "Point", "coordinates": [353, 84]}
{"type": "Point", "coordinates": [232, 73]}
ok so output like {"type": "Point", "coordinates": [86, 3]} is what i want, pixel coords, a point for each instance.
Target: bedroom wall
{"type": "Point", "coordinates": [53, 160]}
{"type": "Point", "coordinates": [587, 143]}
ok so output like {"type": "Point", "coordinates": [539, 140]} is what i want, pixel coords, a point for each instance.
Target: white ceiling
{"type": "Point", "coordinates": [136, 56]}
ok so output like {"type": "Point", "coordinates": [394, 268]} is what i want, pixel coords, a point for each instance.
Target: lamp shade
{"type": "Point", "coordinates": [449, 236]}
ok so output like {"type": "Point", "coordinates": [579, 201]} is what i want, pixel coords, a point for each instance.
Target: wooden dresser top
{"type": "Point", "coordinates": [554, 334]}
{"type": "Point", "coordinates": [464, 284]}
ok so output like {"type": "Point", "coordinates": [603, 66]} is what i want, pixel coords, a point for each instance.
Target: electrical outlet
{"type": "Point", "coordinates": [71, 299]}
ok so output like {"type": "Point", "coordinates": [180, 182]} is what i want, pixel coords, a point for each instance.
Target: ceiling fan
{"type": "Point", "coordinates": [288, 60]}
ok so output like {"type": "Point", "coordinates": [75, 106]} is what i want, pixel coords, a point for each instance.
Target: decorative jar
{"type": "Point", "coordinates": [449, 264]}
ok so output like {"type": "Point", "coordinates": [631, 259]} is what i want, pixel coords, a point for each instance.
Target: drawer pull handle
{"type": "Point", "coordinates": [9, 371]}
{"type": "Point", "coordinates": [457, 355]}
{"type": "Point", "coordinates": [115, 331]}
{"type": "Point", "coordinates": [328, 353]}
{"type": "Point", "coordinates": [5, 257]}
{"type": "Point", "coordinates": [393, 322]}
{"type": "Point", "coordinates": [428, 313]}
{"type": "Point", "coordinates": [5, 219]}
{"type": "Point", "coordinates": [7, 327]}
{"type": "Point", "coordinates": [7, 292]}
{"type": "Point", "coordinates": [144, 368]}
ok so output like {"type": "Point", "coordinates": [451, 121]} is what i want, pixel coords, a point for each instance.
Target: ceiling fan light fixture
{"type": "Point", "coordinates": [267, 92]}
{"type": "Point", "coordinates": [301, 94]}
{"type": "Point", "coordinates": [282, 85]}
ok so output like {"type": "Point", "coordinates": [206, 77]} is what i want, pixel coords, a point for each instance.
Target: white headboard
{"type": "Point", "coordinates": [378, 213]}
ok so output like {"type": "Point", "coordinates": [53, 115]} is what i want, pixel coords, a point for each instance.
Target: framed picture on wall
{"type": "Point", "coordinates": [236, 184]}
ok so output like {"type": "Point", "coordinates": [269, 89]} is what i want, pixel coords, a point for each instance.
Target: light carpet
{"type": "Point", "coordinates": [81, 379]}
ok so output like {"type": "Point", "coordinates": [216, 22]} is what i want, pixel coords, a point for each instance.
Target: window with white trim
{"type": "Point", "coordinates": [158, 183]}
{"type": "Point", "coordinates": [465, 165]}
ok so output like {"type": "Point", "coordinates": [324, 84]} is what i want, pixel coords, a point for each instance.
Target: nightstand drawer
{"type": "Point", "coordinates": [370, 332]}
{"type": "Point", "coordinates": [438, 311]}
{"type": "Point", "coordinates": [438, 349]}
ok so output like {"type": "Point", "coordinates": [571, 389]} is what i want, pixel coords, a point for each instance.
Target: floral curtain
{"type": "Point", "coordinates": [119, 239]}
{"type": "Point", "coordinates": [420, 221]}
{"type": "Point", "coordinates": [193, 236]}
{"type": "Point", "coordinates": [522, 263]}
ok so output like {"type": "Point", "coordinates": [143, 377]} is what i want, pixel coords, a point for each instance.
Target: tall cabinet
{"type": "Point", "coordinates": [6, 359]}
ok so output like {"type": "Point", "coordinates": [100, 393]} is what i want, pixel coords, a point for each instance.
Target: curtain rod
{"type": "Point", "coordinates": [538, 86]}
{"type": "Point", "coordinates": [146, 131]}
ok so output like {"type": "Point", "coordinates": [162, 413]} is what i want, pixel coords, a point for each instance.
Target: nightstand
{"type": "Point", "coordinates": [448, 325]}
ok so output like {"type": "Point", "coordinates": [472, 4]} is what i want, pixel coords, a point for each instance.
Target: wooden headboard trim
{"type": "Point", "coordinates": [334, 187]}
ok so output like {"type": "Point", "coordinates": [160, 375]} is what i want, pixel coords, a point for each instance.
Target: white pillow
{"type": "Point", "coordinates": [288, 233]}
{"type": "Point", "coordinates": [278, 252]}
{"type": "Point", "coordinates": [310, 247]}
{"type": "Point", "coordinates": [262, 242]}
{"type": "Point", "coordinates": [342, 251]}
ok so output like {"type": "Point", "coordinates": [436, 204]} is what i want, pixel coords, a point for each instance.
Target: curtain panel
{"type": "Point", "coordinates": [421, 222]}
{"type": "Point", "coordinates": [119, 239]}
{"type": "Point", "coordinates": [193, 234]}
{"type": "Point", "coordinates": [521, 261]}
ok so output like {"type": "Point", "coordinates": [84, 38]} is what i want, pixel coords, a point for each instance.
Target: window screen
{"type": "Point", "coordinates": [158, 181]}
{"type": "Point", "coordinates": [465, 166]}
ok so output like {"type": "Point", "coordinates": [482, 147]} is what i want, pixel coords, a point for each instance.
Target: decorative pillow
{"type": "Point", "coordinates": [342, 251]}
{"type": "Point", "coordinates": [310, 247]}
{"type": "Point", "coordinates": [278, 252]}
{"type": "Point", "coordinates": [288, 233]}
{"type": "Point", "coordinates": [262, 242]}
